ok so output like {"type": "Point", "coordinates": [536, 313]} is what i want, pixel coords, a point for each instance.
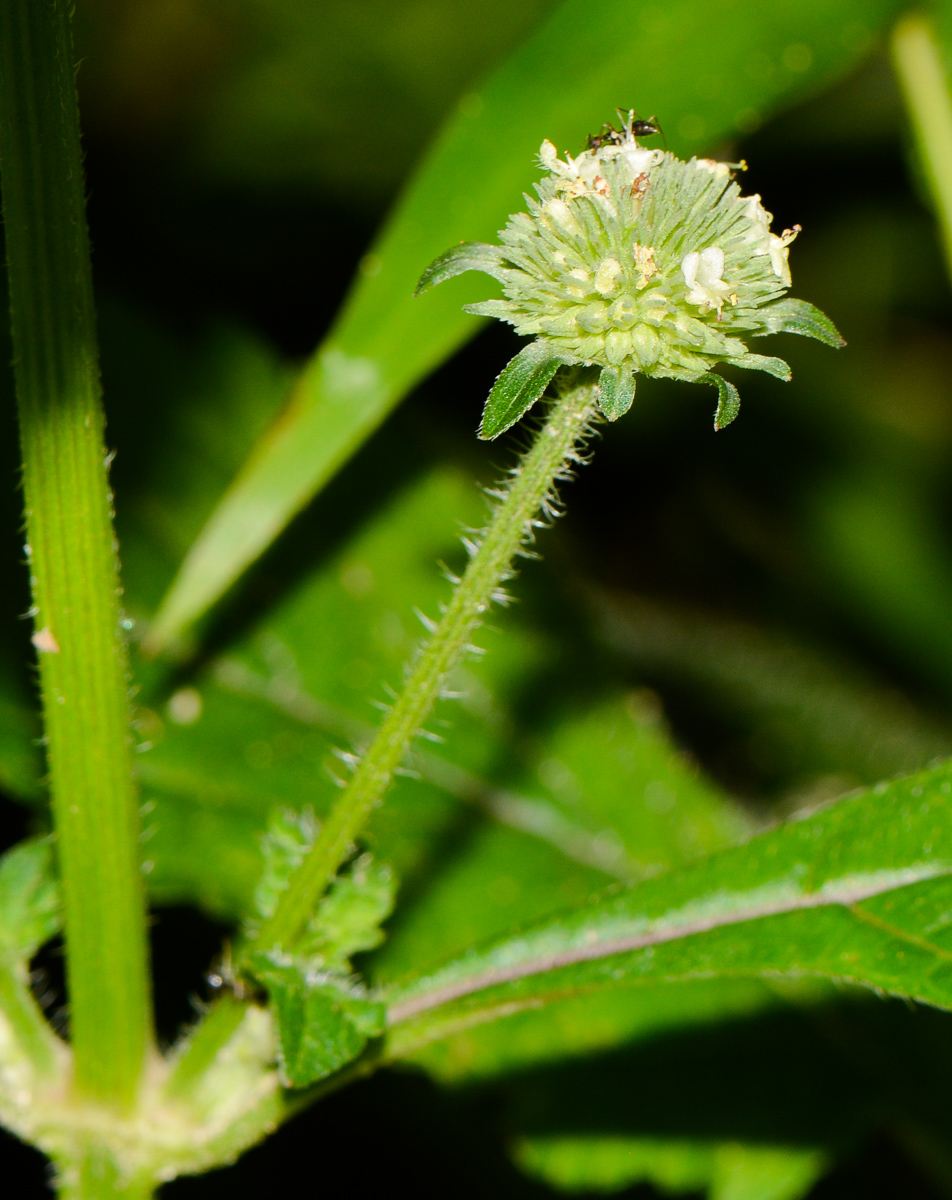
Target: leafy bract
{"type": "Point", "coordinates": [799, 316]}
{"type": "Point", "coordinates": [728, 399]}
{"type": "Point", "coordinates": [384, 341]}
{"type": "Point", "coordinates": [616, 388]}
{"type": "Point", "coordinates": [518, 386]}
{"type": "Point", "coordinates": [860, 893]}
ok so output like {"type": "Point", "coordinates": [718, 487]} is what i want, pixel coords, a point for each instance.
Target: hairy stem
{"type": "Point", "coordinates": [71, 548]}
{"type": "Point", "coordinates": [31, 1032]}
{"type": "Point", "coordinates": [528, 492]}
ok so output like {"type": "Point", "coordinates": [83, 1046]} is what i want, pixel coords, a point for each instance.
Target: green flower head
{"type": "Point", "coordinates": [632, 260]}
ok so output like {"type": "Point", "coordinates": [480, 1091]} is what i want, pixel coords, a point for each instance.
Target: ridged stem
{"type": "Point", "coordinates": [72, 552]}
{"type": "Point", "coordinates": [530, 487]}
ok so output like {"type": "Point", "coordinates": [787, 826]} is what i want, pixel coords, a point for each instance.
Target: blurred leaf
{"type": "Point", "coordinates": [812, 716]}
{"type": "Point", "coordinates": [29, 900]}
{"type": "Point", "coordinates": [384, 341]}
{"type": "Point", "coordinates": [883, 547]}
{"type": "Point", "coordinates": [726, 1171]}
{"type": "Point", "coordinates": [859, 892]}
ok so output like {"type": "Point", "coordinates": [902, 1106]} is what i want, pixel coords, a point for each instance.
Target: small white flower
{"type": "Point", "coordinates": [779, 253]}
{"type": "Point", "coordinates": [702, 272]}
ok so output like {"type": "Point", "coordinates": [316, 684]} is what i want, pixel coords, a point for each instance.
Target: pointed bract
{"type": "Point", "coordinates": [728, 399]}
{"type": "Point", "coordinates": [467, 256]}
{"type": "Point", "coordinates": [799, 316]}
{"type": "Point", "coordinates": [518, 387]}
{"type": "Point", "coordinates": [616, 387]}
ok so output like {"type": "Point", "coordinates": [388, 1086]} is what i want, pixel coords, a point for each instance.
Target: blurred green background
{"type": "Point", "coordinates": [752, 623]}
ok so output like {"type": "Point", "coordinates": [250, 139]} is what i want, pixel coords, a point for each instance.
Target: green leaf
{"type": "Point", "coordinates": [29, 900]}
{"type": "Point", "coordinates": [349, 917]}
{"type": "Point", "coordinates": [323, 1021]}
{"type": "Point", "coordinates": [726, 1171]}
{"type": "Point", "coordinates": [798, 316]}
{"type": "Point", "coordinates": [762, 362]}
{"type": "Point", "coordinates": [518, 386]}
{"type": "Point", "coordinates": [860, 893]}
{"type": "Point", "coordinates": [728, 399]}
{"type": "Point", "coordinates": [384, 341]}
{"type": "Point", "coordinates": [616, 388]}
{"type": "Point", "coordinates": [467, 256]}
{"type": "Point", "coordinates": [817, 716]}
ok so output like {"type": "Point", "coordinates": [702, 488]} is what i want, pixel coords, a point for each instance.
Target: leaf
{"type": "Point", "coordinates": [728, 399]}
{"type": "Point", "coordinates": [323, 1021]}
{"type": "Point", "coordinates": [30, 911]}
{"type": "Point", "coordinates": [761, 362]}
{"type": "Point", "coordinates": [798, 316]}
{"type": "Point", "coordinates": [814, 712]}
{"type": "Point", "coordinates": [467, 256]}
{"type": "Point", "coordinates": [518, 386]}
{"type": "Point", "coordinates": [726, 1171]}
{"type": "Point", "coordinates": [859, 892]}
{"type": "Point", "coordinates": [616, 388]}
{"type": "Point", "coordinates": [384, 341]}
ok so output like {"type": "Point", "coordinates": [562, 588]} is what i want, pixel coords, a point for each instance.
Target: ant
{"type": "Point", "coordinates": [631, 127]}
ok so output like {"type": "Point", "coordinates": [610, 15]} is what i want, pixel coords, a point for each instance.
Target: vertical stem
{"type": "Point", "coordinates": [72, 552]}
{"type": "Point", "coordinates": [925, 86]}
{"type": "Point", "coordinates": [511, 525]}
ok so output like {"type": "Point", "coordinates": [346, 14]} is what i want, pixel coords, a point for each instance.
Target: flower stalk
{"type": "Point", "coordinates": [528, 501]}
{"type": "Point", "coordinates": [72, 553]}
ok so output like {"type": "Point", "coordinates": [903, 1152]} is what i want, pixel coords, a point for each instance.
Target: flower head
{"type": "Point", "coordinates": [634, 261]}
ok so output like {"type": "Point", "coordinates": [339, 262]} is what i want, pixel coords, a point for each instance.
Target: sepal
{"type": "Point", "coordinates": [518, 387]}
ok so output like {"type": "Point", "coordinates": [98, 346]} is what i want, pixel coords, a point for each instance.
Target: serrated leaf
{"type": "Point", "coordinates": [323, 1022]}
{"type": "Point", "coordinates": [724, 1171]}
{"type": "Point", "coordinates": [616, 391]}
{"type": "Point", "coordinates": [349, 917]}
{"type": "Point", "coordinates": [799, 316]}
{"type": "Point", "coordinates": [518, 386]}
{"type": "Point", "coordinates": [467, 256]}
{"type": "Point", "coordinates": [30, 911]}
{"type": "Point", "coordinates": [860, 892]}
{"type": "Point", "coordinates": [384, 342]}
{"type": "Point", "coordinates": [728, 399]}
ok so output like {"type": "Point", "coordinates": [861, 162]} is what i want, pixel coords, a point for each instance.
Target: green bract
{"type": "Point", "coordinates": [633, 260]}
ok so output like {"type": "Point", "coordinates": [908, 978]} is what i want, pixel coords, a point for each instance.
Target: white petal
{"type": "Point", "coordinates": [711, 266]}
{"type": "Point", "coordinates": [689, 266]}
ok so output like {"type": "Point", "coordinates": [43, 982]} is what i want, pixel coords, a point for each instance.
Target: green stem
{"type": "Point", "coordinates": [925, 86]}
{"type": "Point", "coordinates": [510, 527]}
{"type": "Point", "coordinates": [83, 670]}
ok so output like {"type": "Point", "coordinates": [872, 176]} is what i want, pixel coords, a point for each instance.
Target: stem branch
{"type": "Point", "coordinates": [529, 490]}
{"type": "Point", "coordinates": [72, 553]}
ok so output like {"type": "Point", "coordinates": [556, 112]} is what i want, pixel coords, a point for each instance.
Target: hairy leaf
{"type": "Point", "coordinates": [467, 256]}
{"type": "Point", "coordinates": [728, 399]}
{"type": "Point", "coordinates": [799, 316]}
{"type": "Point", "coordinates": [859, 892]}
{"type": "Point", "coordinates": [616, 388]}
{"type": "Point", "coordinates": [323, 1021]}
{"type": "Point", "coordinates": [518, 386]}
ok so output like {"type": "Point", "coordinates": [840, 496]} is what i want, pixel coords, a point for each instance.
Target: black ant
{"type": "Point", "coordinates": [631, 127]}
